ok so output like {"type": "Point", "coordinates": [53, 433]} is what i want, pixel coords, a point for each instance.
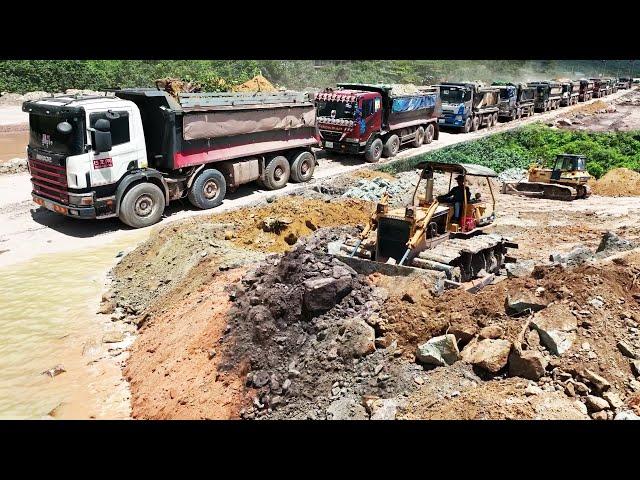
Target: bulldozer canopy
{"type": "Point", "coordinates": [470, 169]}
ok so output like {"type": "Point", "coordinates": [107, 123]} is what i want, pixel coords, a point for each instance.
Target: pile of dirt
{"type": "Point", "coordinates": [299, 322]}
{"type": "Point", "coordinates": [173, 366]}
{"type": "Point", "coordinates": [591, 108]}
{"type": "Point", "coordinates": [277, 226]}
{"type": "Point", "coordinates": [619, 182]}
{"type": "Point", "coordinates": [256, 84]}
{"type": "Point", "coordinates": [369, 174]}
{"type": "Point", "coordinates": [167, 261]}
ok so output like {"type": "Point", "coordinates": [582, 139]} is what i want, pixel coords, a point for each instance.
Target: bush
{"type": "Point", "coordinates": [523, 146]}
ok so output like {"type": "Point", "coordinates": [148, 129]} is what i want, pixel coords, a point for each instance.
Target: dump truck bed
{"type": "Point", "coordinates": [198, 128]}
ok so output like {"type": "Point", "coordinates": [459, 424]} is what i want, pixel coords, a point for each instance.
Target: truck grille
{"type": "Point", "coordinates": [49, 180]}
{"type": "Point", "coordinates": [331, 136]}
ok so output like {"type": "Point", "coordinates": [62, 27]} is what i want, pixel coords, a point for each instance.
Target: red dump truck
{"type": "Point", "coordinates": [375, 120]}
{"type": "Point", "coordinates": [130, 154]}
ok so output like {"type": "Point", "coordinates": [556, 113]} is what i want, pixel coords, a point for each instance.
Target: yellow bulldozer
{"type": "Point", "coordinates": [566, 180]}
{"type": "Point", "coordinates": [444, 238]}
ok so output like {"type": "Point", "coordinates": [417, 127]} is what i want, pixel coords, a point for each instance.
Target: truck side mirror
{"type": "Point", "coordinates": [102, 136]}
{"type": "Point", "coordinates": [102, 141]}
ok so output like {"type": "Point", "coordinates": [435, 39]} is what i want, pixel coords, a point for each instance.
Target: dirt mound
{"type": "Point", "coordinates": [619, 182]}
{"type": "Point", "coordinates": [300, 323]}
{"type": "Point", "coordinates": [591, 108]}
{"type": "Point", "coordinates": [278, 225]}
{"type": "Point", "coordinates": [173, 366]}
{"type": "Point", "coordinates": [369, 174]}
{"type": "Point", "coordinates": [256, 84]}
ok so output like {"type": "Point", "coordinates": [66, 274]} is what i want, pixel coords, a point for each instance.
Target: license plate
{"type": "Point", "coordinates": [328, 144]}
{"type": "Point", "coordinates": [441, 120]}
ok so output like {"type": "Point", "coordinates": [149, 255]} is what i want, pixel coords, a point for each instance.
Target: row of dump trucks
{"type": "Point", "coordinates": [130, 154]}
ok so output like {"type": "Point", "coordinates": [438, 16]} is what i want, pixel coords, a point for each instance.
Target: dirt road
{"type": "Point", "coordinates": [27, 231]}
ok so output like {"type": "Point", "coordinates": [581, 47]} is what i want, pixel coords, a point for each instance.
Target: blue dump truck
{"type": "Point", "coordinates": [467, 106]}
{"type": "Point", "coordinates": [516, 100]}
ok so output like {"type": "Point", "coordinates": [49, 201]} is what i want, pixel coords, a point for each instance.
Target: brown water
{"type": "Point", "coordinates": [13, 145]}
{"type": "Point", "coordinates": [48, 317]}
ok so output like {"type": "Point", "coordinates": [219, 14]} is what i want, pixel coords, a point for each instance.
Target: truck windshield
{"type": "Point", "coordinates": [340, 110]}
{"type": "Point", "coordinates": [44, 135]}
{"type": "Point", "coordinates": [506, 93]}
{"type": "Point", "coordinates": [451, 95]}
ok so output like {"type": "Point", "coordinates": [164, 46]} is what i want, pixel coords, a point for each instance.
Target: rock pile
{"type": "Point", "coordinates": [300, 323]}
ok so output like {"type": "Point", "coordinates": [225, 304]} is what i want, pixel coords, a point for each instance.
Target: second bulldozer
{"type": "Point", "coordinates": [566, 180]}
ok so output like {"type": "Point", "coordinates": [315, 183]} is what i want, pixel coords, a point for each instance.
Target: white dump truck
{"type": "Point", "coordinates": [129, 154]}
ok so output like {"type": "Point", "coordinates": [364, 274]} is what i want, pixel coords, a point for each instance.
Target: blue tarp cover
{"type": "Point", "coordinates": [408, 104]}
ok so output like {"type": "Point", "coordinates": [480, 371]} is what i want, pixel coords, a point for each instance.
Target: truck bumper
{"type": "Point", "coordinates": [103, 208]}
{"type": "Point", "coordinates": [342, 147]}
{"type": "Point", "coordinates": [450, 121]}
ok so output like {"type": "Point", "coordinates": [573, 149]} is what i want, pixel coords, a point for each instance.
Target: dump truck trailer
{"type": "Point", "coordinates": [570, 93]}
{"type": "Point", "coordinates": [375, 120]}
{"type": "Point", "coordinates": [600, 87]}
{"type": "Point", "coordinates": [130, 154]}
{"type": "Point", "coordinates": [624, 83]}
{"type": "Point", "coordinates": [516, 100]}
{"type": "Point", "coordinates": [468, 106]}
{"type": "Point", "coordinates": [548, 95]}
{"type": "Point", "coordinates": [586, 90]}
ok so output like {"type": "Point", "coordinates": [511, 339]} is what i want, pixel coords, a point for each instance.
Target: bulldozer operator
{"type": "Point", "coordinates": [456, 196]}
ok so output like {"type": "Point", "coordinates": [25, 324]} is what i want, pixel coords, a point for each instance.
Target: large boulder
{"type": "Point", "coordinates": [520, 269]}
{"type": "Point", "coordinates": [528, 364]}
{"type": "Point", "coordinates": [358, 338]}
{"type": "Point", "coordinates": [383, 409]}
{"type": "Point", "coordinates": [488, 354]}
{"type": "Point", "coordinates": [320, 294]}
{"type": "Point", "coordinates": [440, 351]}
{"type": "Point", "coordinates": [557, 328]}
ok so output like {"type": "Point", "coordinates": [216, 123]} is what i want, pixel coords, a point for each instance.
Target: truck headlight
{"type": "Point", "coordinates": [459, 118]}
{"type": "Point", "coordinates": [81, 198]}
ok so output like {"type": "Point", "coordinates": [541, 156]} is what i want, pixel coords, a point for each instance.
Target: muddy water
{"type": "Point", "coordinates": [48, 317]}
{"type": "Point", "coordinates": [13, 145]}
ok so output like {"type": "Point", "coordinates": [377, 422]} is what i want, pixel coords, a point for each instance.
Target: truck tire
{"type": "Point", "coordinates": [391, 146]}
{"type": "Point", "coordinates": [276, 173]}
{"type": "Point", "coordinates": [373, 150]}
{"type": "Point", "coordinates": [495, 119]}
{"type": "Point", "coordinates": [419, 138]}
{"type": "Point", "coordinates": [208, 189]}
{"type": "Point", "coordinates": [142, 205]}
{"type": "Point", "coordinates": [467, 125]}
{"type": "Point", "coordinates": [302, 167]}
{"type": "Point", "coordinates": [429, 133]}
{"type": "Point", "coordinates": [475, 124]}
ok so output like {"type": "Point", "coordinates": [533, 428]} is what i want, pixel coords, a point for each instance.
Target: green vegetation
{"type": "Point", "coordinates": [523, 146]}
{"type": "Point", "coordinates": [21, 76]}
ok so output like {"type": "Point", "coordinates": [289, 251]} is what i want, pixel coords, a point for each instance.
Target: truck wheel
{"type": "Point", "coordinates": [429, 134]}
{"type": "Point", "coordinates": [475, 124]}
{"type": "Point", "coordinates": [419, 138]}
{"type": "Point", "coordinates": [208, 189]}
{"type": "Point", "coordinates": [276, 173]}
{"type": "Point", "coordinates": [142, 205]}
{"type": "Point", "coordinates": [373, 151]}
{"type": "Point", "coordinates": [467, 126]}
{"type": "Point", "coordinates": [391, 146]}
{"type": "Point", "coordinates": [302, 167]}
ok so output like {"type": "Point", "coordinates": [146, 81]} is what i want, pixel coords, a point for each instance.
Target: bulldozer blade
{"type": "Point", "coordinates": [367, 267]}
